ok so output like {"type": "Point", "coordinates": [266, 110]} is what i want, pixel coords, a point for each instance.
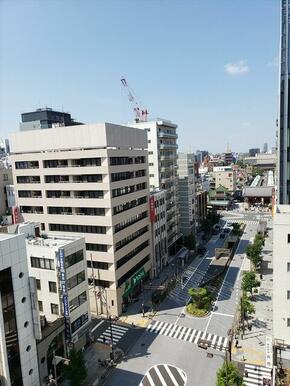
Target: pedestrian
{"type": "Point", "coordinates": [133, 325]}
{"type": "Point", "coordinates": [250, 327]}
{"type": "Point", "coordinates": [246, 373]}
{"type": "Point", "coordinates": [237, 342]}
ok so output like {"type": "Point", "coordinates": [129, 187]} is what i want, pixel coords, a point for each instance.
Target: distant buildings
{"type": "Point", "coordinates": [225, 176]}
{"type": "Point", "coordinates": [92, 180]}
{"type": "Point", "coordinates": [45, 118]}
{"type": "Point", "coordinates": [262, 161]}
{"type": "Point", "coordinates": [253, 152]}
{"type": "Point", "coordinates": [228, 157]}
{"type": "Point", "coordinates": [265, 148]}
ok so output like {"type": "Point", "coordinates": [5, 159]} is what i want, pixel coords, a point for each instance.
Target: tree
{"type": "Point", "coordinates": [254, 254]}
{"type": "Point", "coordinates": [237, 229]}
{"type": "Point", "coordinates": [189, 241]}
{"type": "Point", "coordinates": [200, 296]}
{"type": "Point", "coordinates": [229, 375]}
{"type": "Point", "coordinates": [76, 371]}
{"type": "Point", "coordinates": [249, 282]}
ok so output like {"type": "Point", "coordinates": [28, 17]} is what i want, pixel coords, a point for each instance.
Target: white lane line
{"type": "Point", "coordinates": [154, 326]}
{"type": "Point", "coordinates": [219, 313]}
{"type": "Point", "coordinates": [120, 328]}
{"type": "Point", "coordinates": [97, 325]}
{"type": "Point", "coordinates": [225, 343]}
{"type": "Point", "coordinates": [182, 332]}
{"type": "Point", "coordinates": [182, 374]}
{"type": "Point", "coordinates": [219, 341]}
{"type": "Point", "coordinates": [150, 379]}
{"type": "Point", "coordinates": [159, 327]}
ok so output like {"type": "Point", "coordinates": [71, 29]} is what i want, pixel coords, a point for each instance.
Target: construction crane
{"type": "Point", "coordinates": [141, 113]}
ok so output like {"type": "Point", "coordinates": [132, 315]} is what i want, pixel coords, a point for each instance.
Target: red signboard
{"type": "Point", "coordinates": [15, 215]}
{"type": "Point", "coordinates": [152, 209]}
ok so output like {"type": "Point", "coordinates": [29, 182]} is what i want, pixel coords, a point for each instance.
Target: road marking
{"type": "Point", "coordinates": [97, 325]}
{"type": "Point", "coordinates": [197, 337]}
{"type": "Point", "coordinates": [192, 336]}
{"type": "Point", "coordinates": [174, 328]}
{"type": "Point", "coordinates": [219, 313]}
{"type": "Point", "coordinates": [177, 331]}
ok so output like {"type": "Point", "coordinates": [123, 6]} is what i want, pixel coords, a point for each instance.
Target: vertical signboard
{"type": "Point", "coordinates": [15, 215]}
{"type": "Point", "coordinates": [152, 209]}
{"type": "Point", "coordinates": [64, 295]}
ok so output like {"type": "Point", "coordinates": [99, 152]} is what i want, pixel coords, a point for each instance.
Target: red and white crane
{"type": "Point", "coordinates": [141, 113]}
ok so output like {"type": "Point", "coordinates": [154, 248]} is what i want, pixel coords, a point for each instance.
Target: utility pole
{"type": "Point", "coordinates": [54, 368]}
{"type": "Point", "coordinates": [111, 333]}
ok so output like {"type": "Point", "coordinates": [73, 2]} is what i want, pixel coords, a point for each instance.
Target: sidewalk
{"type": "Point", "coordinates": [252, 348]}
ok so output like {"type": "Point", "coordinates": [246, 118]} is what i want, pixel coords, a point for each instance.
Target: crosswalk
{"type": "Point", "coordinates": [254, 375]}
{"type": "Point", "coordinates": [187, 334]}
{"type": "Point", "coordinates": [117, 333]}
{"type": "Point", "coordinates": [249, 222]}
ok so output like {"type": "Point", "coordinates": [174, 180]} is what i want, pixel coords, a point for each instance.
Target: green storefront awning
{"type": "Point", "coordinates": [138, 277]}
{"type": "Point", "coordinates": [130, 285]}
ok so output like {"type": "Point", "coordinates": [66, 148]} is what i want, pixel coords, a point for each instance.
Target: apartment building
{"type": "Point", "coordinates": [18, 355]}
{"type": "Point", "coordinates": [162, 161]}
{"type": "Point", "coordinates": [158, 219]}
{"type": "Point", "coordinates": [91, 180]}
{"type": "Point", "coordinates": [186, 192]}
{"type": "Point", "coordinates": [5, 180]}
{"type": "Point", "coordinates": [226, 177]}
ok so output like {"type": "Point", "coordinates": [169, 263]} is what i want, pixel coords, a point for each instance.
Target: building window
{"type": "Point", "coordinates": [75, 280]}
{"type": "Point", "coordinates": [77, 228]}
{"type": "Point", "coordinates": [112, 302]}
{"type": "Point", "coordinates": [288, 238]}
{"type": "Point", "coordinates": [78, 301]}
{"type": "Point", "coordinates": [54, 308]}
{"type": "Point", "coordinates": [40, 306]}
{"type": "Point", "coordinates": [74, 258]}
{"type": "Point", "coordinates": [288, 322]}
{"type": "Point", "coordinates": [42, 263]}
{"type": "Point", "coordinates": [96, 247]}
{"type": "Point", "coordinates": [79, 322]}
{"type": "Point", "coordinates": [288, 267]}
{"type": "Point", "coordinates": [38, 284]}
{"type": "Point", "coordinates": [52, 286]}
{"type": "Point", "coordinates": [98, 265]}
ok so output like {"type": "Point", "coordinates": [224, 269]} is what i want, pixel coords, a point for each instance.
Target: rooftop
{"type": "Point", "coordinates": [49, 241]}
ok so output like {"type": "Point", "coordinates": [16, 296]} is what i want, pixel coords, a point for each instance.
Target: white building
{"type": "Point", "coordinates": [159, 234]}
{"type": "Point", "coordinates": [91, 180]}
{"type": "Point", "coordinates": [18, 355]}
{"type": "Point", "coordinates": [162, 160]}
{"type": "Point", "coordinates": [281, 274]}
{"type": "Point", "coordinates": [186, 193]}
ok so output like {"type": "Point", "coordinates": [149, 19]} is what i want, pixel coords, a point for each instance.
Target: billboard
{"type": "Point", "coordinates": [63, 288]}
{"type": "Point", "coordinates": [152, 209]}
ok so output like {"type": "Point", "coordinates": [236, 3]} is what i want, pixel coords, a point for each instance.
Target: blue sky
{"type": "Point", "coordinates": [208, 65]}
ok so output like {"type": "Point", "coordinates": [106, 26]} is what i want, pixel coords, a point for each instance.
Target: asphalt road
{"type": "Point", "coordinates": [175, 341]}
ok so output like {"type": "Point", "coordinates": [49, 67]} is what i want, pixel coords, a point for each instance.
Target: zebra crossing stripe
{"type": "Point", "coordinates": [159, 327]}
{"type": "Point", "coordinates": [197, 337]}
{"type": "Point", "coordinates": [177, 331]}
{"type": "Point", "coordinates": [168, 329]}
{"type": "Point", "coordinates": [163, 328]}
{"type": "Point", "coordinates": [213, 341]}
{"type": "Point", "coordinates": [164, 375]}
{"type": "Point", "coordinates": [254, 375]}
{"type": "Point", "coordinates": [172, 331]}
{"type": "Point", "coordinates": [192, 336]}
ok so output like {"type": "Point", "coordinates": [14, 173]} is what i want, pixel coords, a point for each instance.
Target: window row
{"type": "Point", "coordinates": [51, 286]}
{"type": "Point", "coordinates": [82, 178]}
{"type": "Point", "coordinates": [77, 228]}
{"type": "Point", "coordinates": [129, 205]}
{"type": "Point", "coordinates": [42, 262]}
{"type": "Point", "coordinates": [76, 211]}
{"type": "Point", "coordinates": [74, 258]}
{"type": "Point", "coordinates": [97, 264]}
{"type": "Point", "coordinates": [28, 179]}
{"type": "Point", "coordinates": [31, 209]}
{"type": "Point", "coordinates": [74, 194]}
{"type": "Point", "coordinates": [59, 163]}
{"type": "Point", "coordinates": [78, 301]}
{"type": "Point", "coordinates": [133, 270]}
{"type": "Point", "coordinates": [29, 193]}
{"type": "Point", "coordinates": [79, 322]}
{"type": "Point", "coordinates": [120, 176]}
{"type": "Point", "coordinates": [120, 244]}
{"type": "Point", "coordinates": [127, 160]}
{"type": "Point", "coordinates": [130, 221]}
{"type": "Point", "coordinates": [132, 254]}
{"type": "Point", "coordinates": [96, 247]}
{"type": "Point", "coordinates": [75, 280]}
{"type": "Point", "coordinates": [26, 165]}
{"type": "Point", "coordinates": [128, 189]}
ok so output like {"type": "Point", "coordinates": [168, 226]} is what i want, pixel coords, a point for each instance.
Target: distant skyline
{"type": "Point", "coordinates": [209, 66]}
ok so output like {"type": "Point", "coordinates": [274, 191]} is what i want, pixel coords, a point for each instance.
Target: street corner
{"type": "Point", "coordinates": [248, 355]}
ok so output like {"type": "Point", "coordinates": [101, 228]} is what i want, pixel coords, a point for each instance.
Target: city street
{"type": "Point", "coordinates": [158, 344]}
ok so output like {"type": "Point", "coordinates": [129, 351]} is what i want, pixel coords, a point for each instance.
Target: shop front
{"type": "Point", "coordinates": [133, 287]}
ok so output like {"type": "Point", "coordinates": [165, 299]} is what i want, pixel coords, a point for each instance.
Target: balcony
{"type": "Point", "coordinates": [168, 146]}
{"type": "Point", "coordinates": [163, 134]}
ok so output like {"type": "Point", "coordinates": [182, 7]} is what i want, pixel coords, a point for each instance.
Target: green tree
{"type": "Point", "coordinates": [249, 281]}
{"type": "Point", "coordinates": [189, 241]}
{"type": "Point", "coordinates": [229, 375]}
{"type": "Point", "coordinates": [247, 308]}
{"type": "Point", "coordinates": [254, 254]}
{"type": "Point", "coordinates": [200, 296]}
{"type": "Point", "coordinates": [237, 229]}
{"type": "Point", "coordinates": [76, 371]}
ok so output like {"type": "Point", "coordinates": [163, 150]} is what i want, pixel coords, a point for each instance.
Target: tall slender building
{"type": "Point", "coordinates": [283, 165]}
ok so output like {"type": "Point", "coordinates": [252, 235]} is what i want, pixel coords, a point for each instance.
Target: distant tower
{"type": "Point", "coordinates": [228, 155]}
{"type": "Point", "coordinates": [265, 147]}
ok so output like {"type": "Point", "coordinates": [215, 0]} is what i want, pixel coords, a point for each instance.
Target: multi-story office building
{"type": "Point", "coordinates": [5, 179]}
{"type": "Point", "coordinates": [162, 160]}
{"type": "Point", "coordinates": [45, 118]}
{"type": "Point", "coordinates": [91, 180]}
{"type": "Point", "coordinates": [18, 355]}
{"type": "Point", "coordinates": [186, 193]}
{"type": "Point", "coordinates": [253, 152]}
{"type": "Point", "coordinates": [265, 147]}
{"type": "Point", "coordinates": [159, 234]}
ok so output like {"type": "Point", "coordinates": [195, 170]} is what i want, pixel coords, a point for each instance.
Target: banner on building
{"type": "Point", "coordinates": [63, 287]}
{"type": "Point", "coordinates": [152, 209]}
